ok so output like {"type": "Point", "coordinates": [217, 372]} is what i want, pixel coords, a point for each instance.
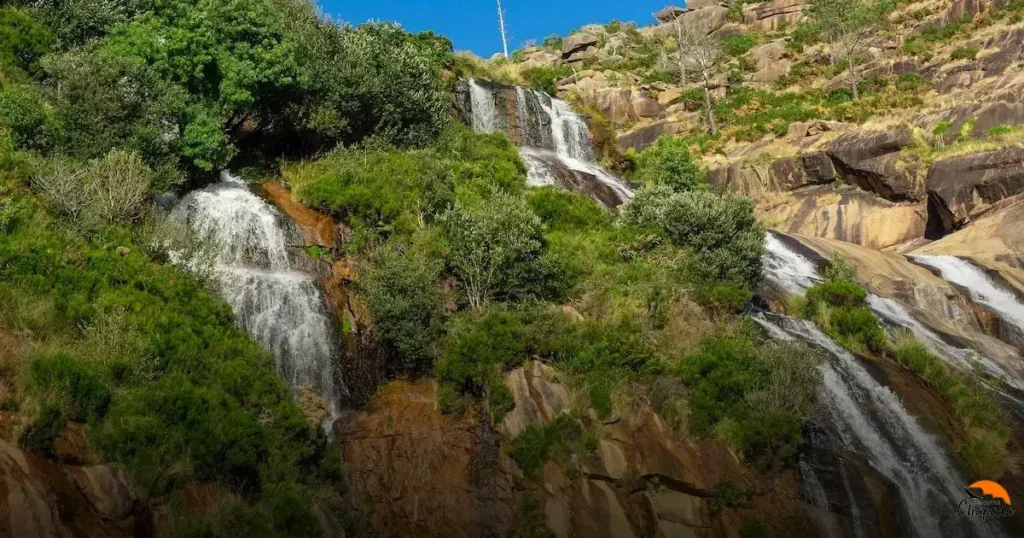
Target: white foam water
{"type": "Point", "coordinates": [982, 289]}
{"type": "Point", "coordinates": [273, 298]}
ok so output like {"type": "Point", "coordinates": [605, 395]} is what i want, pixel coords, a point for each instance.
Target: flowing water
{"type": "Point", "coordinates": [982, 288]}
{"type": "Point", "coordinates": [274, 295]}
{"type": "Point", "coordinates": [555, 142]}
{"type": "Point", "coordinates": [870, 419]}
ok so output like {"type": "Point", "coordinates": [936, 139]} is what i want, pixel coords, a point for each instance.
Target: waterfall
{"type": "Point", "coordinates": [485, 115]}
{"type": "Point", "coordinates": [274, 297]}
{"type": "Point", "coordinates": [794, 273]}
{"type": "Point", "coordinates": [869, 419]}
{"type": "Point", "coordinates": [982, 289]}
{"type": "Point", "coordinates": [554, 142]}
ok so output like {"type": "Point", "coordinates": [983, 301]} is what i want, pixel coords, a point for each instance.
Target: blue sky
{"type": "Point", "coordinates": [474, 25]}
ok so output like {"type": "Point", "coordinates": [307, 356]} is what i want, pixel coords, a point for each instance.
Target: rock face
{"type": "Point", "coordinates": [704, 20]}
{"type": "Point", "coordinates": [644, 136]}
{"type": "Point", "coordinates": [847, 214]}
{"type": "Point", "coordinates": [577, 43]}
{"type": "Point", "coordinates": [772, 15]}
{"type": "Point", "coordinates": [870, 160]}
{"type": "Point", "coordinates": [42, 499]}
{"type": "Point", "coordinates": [960, 186]}
{"type": "Point", "coordinates": [538, 399]}
{"type": "Point", "coordinates": [427, 474]}
{"type": "Point", "coordinates": [669, 13]}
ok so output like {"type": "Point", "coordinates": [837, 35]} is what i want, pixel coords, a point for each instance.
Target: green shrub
{"type": "Point", "coordinates": [23, 111]}
{"type": "Point", "coordinates": [479, 349]}
{"type": "Point", "coordinates": [915, 47]}
{"type": "Point", "coordinates": [965, 53]}
{"type": "Point", "coordinates": [23, 40]}
{"type": "Point", "coordinates": [86, 392]}
{"type": "Point", "coordinates": [837, 293]}
{"type": "Point", "coordinates": [723, 233]}
{"type": "Point", "coordinates": [39, 436]}
{"type": "Point", "coordinates": [738, 44]}
{"type": "Point", "coordinates": [999, 130]}
{"type": "Point", "coordinates": [560, 209]}
{"type": "Point", "coordinates": [557, 440]}
{"type": "Point", "coordinates": [546, 79]}
{"type": "Point", "coordinates": [669, 162]}
{"type": "Point", "coordinates": [404, 301]}
{"type": "Point", "coordinates": [909, 82]}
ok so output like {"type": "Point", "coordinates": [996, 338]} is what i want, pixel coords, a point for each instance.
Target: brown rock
{"type": "Point", "coordinates": [617, 106]}
{"type": "Point", "coordinates": [577, 42]}
{"type": "Point", "coordinates": [959, 186]}
{"type": "Point", "coordinates": [669, 13]}
{"type": "Point", "coordinates": [870, 160]}
{"type": "Point", "coordinates": [767, 54]}
{"type": "Point", "coordinates": [704, 20]}
{"type": "Point", "coordinates": [996, 115]}
{"type": "Point", "coordinates": [644, 136]}
{"type": "Point", "coordinates": [669, 96]}
{"type": "Point", "coordinates": [819, 167]}
{"type": "Point", "coordinates": [772, 15]}
{"type": "Point", "coordinates": [771, 73]}
{"type": "Point", "coordinates": [43, 499]}
{"type": "Point", "coordinates": [538, 400]}
{"type": "Point", "coordinates": [581, 55]}
{"type": "Point", "coordinates": [646, 107]}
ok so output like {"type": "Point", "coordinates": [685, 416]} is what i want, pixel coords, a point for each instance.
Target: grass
{"type": "Point", "coordinates": [965, 53]}
{"type": "Point", "coordinates": [984, 450]}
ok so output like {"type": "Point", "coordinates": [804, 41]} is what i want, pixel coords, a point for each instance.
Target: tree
{"type": "Point", "coordinates": [405, 303]}
{"type": "Point", "coordinates": [705, 54]}
{"type": "Point", "coordinates": [23, 40]}
{"type": "Point", "coordinates": [669, 162]}
{"type": "Point", "coordinates": [496, 247]}
{"type": "Point", "coordinates": [847, 23]}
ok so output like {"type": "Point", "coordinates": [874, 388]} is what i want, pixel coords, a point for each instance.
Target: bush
{"type": "Point", "coordinates": [114, 189]}
{"type": "Point", "coordinates": [837, 293]}
{"type": "Point", "coordinates": [557, 440]}
{"type": "Point", "coordinates": [83, 390]}
{"type": "Point", "coordinates": [479, 348]}
{"type": "Point", "coordinates": [23, 40]}
{"type": "Point", "coordinates": [723, 233]}
{"type": "Point", "coordinates": [39, 436]}
{"type": "Point", "coordinates": [545, 79]}
{"type": "Point", "coordinates": [404, 301]}
{"type": "Point", "coordinates": [909, 82]}
{"type": "Point", "coordinates": [23, 111]}
{"type": "Point", "coordinates": [496, 249]}
{"type": "Point", "coordinates": [560, 209]}
{"type": "Point", "coordinates": [669, 162]}
{"type": "Point", "coordinates": [965, 53]}
{"type": "Point", "coordinates": [738, 44]}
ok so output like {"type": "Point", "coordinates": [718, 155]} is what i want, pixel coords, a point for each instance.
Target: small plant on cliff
{"type": "Point", "coordinates": [838, 305]}
{"type": "Point", "coordinates": [965, 53]}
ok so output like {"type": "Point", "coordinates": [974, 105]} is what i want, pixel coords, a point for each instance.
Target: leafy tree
{"type": "Point", "coordinates": [496, 247]}
{"type": "Point", "coordinates": [23, 40]}
{"type": "Point", "coordinates": [405, 303]}
{"type": "Point", "coordinates": [669, 162]}
{"type": "Point", "coordinates": [76, 22]}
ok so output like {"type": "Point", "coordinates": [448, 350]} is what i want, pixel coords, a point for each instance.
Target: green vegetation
{"type": "Point", "coordinates": [838, 305]}
{"type": "Point", "coordinates": [668, 162]}
{"type": "Point", "coordinates": [965, 53]}
{"type": "Point", "coordinates": [739, 44]}
{"type": "Point", "coordinates": [558, 440]}
{"type": "Point", "coordinates": [984, 449]}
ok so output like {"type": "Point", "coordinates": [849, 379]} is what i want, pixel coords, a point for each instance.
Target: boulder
{"type": "Point", "coordinates": [818, 167]}
{"type": "Point", "coordinates": [538, 399]}
{"type": "Point", "coordinates": [771, 73]}
{"type": "Point", "coordinates": [617, 105]}
{"type": "Point", "coordinates": [871, 160]}
{"type": "Point", "coordinates": [769, 53]}
{"type": "Point", "coordinates": [645, 107]}
{"type": "Point", "coordinates": [996, 115]}
{"type": "Point", "coordinates": [669, 96]}
{"type": "Point", "coordinates": [669, 13]}
{"type": "Point", "coordinates": [577, 42]}
{"type": "Point", "coordinates": [846, 214]}
{"type": "Point", "coordinates": [704, 20]}
{"type": "Point", "coordinates": [644, 136]}
{"type": "Point", "coordinates": [770, 16]}
{"type": "Point", "coordinates": [45, 499]}
{"type": "Point", "coordinates": [581, 55]}
{"type": "Point", "coordinates": [959, 186]}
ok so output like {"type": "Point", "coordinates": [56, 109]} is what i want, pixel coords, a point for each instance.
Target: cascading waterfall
{"type": "Point", "coordinates": [555, 142]}
{"type": "Point", "coordinates": [278, 302]}
{"type": "Point", "coordinates": [794, 273]}
{"type": "Point", "coordinates": [982, 289]}
{"type": "Point", "coordinates": [869, 419]}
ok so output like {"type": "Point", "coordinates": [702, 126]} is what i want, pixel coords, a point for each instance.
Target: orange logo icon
{"type": "Point", "coordinates": [991, 489]}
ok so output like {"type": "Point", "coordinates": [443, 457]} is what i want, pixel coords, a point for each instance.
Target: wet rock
{"type": "Point", "coordinates": [870, 160]}
{"type": "Point", "coordinates": [959, 186]}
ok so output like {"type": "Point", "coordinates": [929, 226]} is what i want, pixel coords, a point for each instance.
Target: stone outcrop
{"type": "Point", "coordinates": [669, 13]}
{"type": "Point", "coordinates": [871, 160]}
{"type": "Point", "coordinates": [425, 473]}
{"type": "Point", "coordinates": [960, 186]}
{"type": "Point", "coordinates": [578, 43]}
{"type": "Point", "coordinates": [42, 499]}
{"type": "Point", "coordinates": [644, 136]}
{"type": "Point", "coordinates": [846, 214]}
{"type": "Point", "coordinates": [704, 20]}
{"type": "Point", "coordinates": [772, 15]}
{"type": "Point", "coordinates": [538, 398]}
